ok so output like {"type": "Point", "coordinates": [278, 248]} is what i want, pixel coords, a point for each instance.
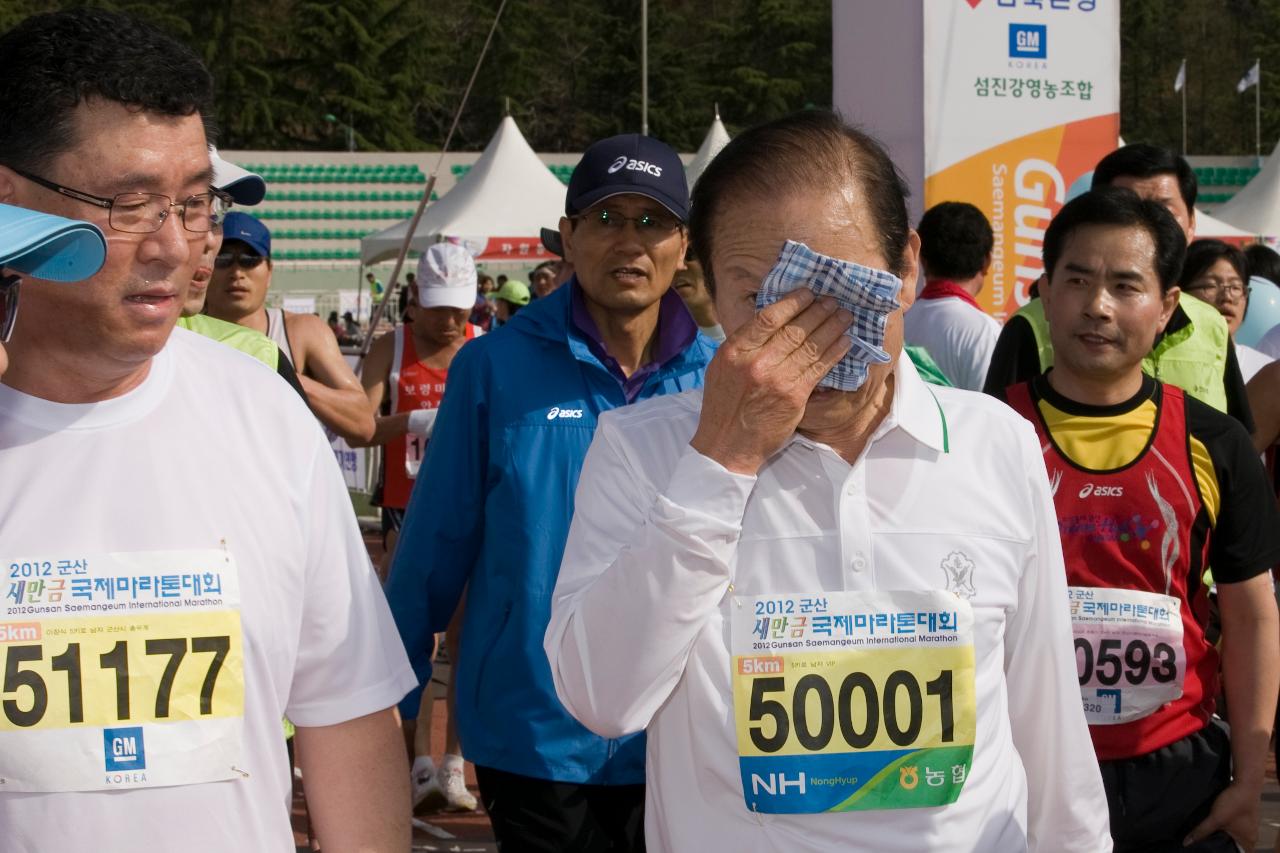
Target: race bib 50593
{"type": "Point", "coordinates": [848, 701]}
{"type": "Point", "coordinates": [1129, 654]}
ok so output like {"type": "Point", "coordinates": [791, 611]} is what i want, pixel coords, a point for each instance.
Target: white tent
{"type": "Point", "coordinates": [496, 211]}
{"type": "Point", "coordinates": [1209, 226]}
{"type": "Point", "coordinates": [1256, 208]}
{"type": "Point", "coordinates": [717, 137]}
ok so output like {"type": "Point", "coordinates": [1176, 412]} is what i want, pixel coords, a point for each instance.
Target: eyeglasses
{"type": "Point", "coordinates": [1211, 289]}
{"type": "Point", "coordinates": [144, 213]}
{"type": "Point", "coordinates": [8, 305]}
{"type": "Point", "coordinates": [225, 260]}
{"type": "Point", "coordinates": [649, 226]}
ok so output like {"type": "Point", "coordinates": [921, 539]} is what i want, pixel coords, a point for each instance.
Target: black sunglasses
{"type": "Point", "coordinates": [224, 260]}
{"type": "Point", "coordinates": [8, 304]}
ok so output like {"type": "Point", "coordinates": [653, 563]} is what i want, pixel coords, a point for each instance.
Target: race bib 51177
{"type": "Point", "coordinates": [120, 670]}
{"type": "Point", "coordinates": [848, 701]}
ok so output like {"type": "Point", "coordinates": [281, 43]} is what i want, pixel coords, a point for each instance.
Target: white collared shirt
{"type": "Point", "coordinates": [664, 539]}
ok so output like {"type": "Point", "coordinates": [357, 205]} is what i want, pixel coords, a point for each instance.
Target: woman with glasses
{"type": "Point", "coordinates": [1217, 273]}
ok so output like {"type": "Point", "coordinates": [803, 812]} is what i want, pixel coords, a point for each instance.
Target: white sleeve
{"type": "Point", "coordinates": [983, 346]}
{"type": "Point", "coordinates": [1066, 804]}
{"type": "Point", "coordinates": [350, 659]}
{"type": "Point", "coordinates": [641, 572]}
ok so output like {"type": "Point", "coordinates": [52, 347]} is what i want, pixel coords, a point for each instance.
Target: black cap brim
{"type": "Point", "coordinates": [552, 243]}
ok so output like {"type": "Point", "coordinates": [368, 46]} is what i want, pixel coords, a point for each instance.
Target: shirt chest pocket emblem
{"type": "Point", "coordinates": [958, 569]}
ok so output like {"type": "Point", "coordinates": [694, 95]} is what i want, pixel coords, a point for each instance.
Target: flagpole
{"type": "Point", "coordinates": [1257, 113]}
{"type": "Point", "coordinates": [1184, 117]}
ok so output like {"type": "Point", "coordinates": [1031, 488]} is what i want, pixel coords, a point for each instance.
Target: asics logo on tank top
{"type": "Point", "coordinates": [1101, 491]}
{"type": "Point", "coordinates": [623, 162]}
{"type": "Point", "coordinates": [558, 413]}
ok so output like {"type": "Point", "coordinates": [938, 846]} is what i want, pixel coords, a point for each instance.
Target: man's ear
{"type": "Point", "coordinates": [566, 238]}
{"type": "Point", "coordinates": [910, 269]}
{"type": "Point", "coordinates": [8, 184]}
{"type": "Point", "coordinates": [1170, 302]}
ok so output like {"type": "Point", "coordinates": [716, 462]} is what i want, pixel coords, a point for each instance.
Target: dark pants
{"type": "Point", "coordinates": [539, 816]}
{"type": "Point", "coordinates": [1157, 798]}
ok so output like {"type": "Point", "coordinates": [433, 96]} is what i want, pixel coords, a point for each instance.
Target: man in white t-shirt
{"type": "Point", "coordinates": [182, 567]}
{"type": "Point", "coordinates": [838, 613]}
{"type": "Point", "coordinates": [955, 248]}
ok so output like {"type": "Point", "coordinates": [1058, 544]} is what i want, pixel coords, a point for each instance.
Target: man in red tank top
{"type": "Point", "coordinates": [404, 378]}
{"type": "Point", "coordinates": [1151, 487]}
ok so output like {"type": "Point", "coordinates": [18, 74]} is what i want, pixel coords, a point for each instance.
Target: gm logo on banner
{"type": "Point", "coordinates": [123, 749]}
{"type": "Point", "coordinates": [1028, 41]}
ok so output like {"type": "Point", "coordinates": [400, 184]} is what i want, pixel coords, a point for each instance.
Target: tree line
{"type": "Point", "coordinates": [569, 70]}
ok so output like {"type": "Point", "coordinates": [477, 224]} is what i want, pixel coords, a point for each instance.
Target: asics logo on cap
{"type": "Point", "coordinates": [623, 162]}
{"type": "Point", "coordinates": [557, 412]}
{"type": "Point", "coordinates": [1101, 491]}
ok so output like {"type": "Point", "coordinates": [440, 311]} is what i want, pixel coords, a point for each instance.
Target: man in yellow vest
{"type": "Point", "coordinates": [244, 188]}
{"type": "Point", "coordinates": [1194, 352]}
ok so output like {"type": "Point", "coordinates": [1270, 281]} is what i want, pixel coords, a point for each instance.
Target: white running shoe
{"type": "Point", "coordinates": [454, 786]}
{"type": "Point", "coordinates": [428, 796]}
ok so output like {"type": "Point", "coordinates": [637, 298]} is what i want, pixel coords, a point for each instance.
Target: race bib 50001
{"type": "Point", "coordinates": [120, 670]}
{"type": "Point", "coordinates": [849, 701]}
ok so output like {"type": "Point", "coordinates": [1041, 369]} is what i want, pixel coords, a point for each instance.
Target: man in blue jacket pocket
{"type": "Point", "coordinates": [490, 512]}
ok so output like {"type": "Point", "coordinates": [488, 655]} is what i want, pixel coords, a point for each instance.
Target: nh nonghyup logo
{"type": "Point", "coordinates": [1028, 41]}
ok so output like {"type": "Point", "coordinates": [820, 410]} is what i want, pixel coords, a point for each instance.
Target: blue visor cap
{"type": "Point", "coordinates": [248, 230]}
{"type": "Point", "coordinates": [629, 163]}
{"type": "Point", "coordinates": [49, 247]}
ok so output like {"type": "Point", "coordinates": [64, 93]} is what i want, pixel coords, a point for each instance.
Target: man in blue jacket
{"type": "Point", "coordinates": [491, 510]}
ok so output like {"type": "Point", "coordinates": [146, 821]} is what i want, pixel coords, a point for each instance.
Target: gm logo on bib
{"type": "Point", "coordinates": [558, 413]}
{"type": "Point", "coordinates": [123, 749]}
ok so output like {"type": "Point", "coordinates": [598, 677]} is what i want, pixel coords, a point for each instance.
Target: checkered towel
{"type": "Point", "coordinates": [870, 294]}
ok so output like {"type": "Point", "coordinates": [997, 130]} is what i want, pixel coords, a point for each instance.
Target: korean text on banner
{"type": "Point", "coordinates": [1022, 99]}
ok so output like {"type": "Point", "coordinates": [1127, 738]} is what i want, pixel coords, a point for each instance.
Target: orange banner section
{"type": "Point", "coordinates": [1020, 185]}
{"type": "Point", "coordinates": [499, 249]}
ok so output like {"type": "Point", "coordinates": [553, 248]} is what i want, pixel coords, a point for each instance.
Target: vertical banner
{"type": "Point", "coordinates": [354, 461]}
{"type": "Point", "coordinates": [349, 300]}
{"type": "Point", "coordinates": [1021, 100]}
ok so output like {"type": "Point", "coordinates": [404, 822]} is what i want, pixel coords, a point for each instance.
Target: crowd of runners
{"type": "Point", "coordinates": [721, 561]}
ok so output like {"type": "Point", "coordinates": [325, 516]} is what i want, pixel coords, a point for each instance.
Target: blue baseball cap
{"type": "Point", "coordinates": [248, 230]}
{"type": "Point", "coordinates": [50, 247]}
{"type": "Point", "coordinates": [629, 163]}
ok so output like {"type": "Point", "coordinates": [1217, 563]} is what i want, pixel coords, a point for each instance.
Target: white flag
{"type": "Point", "coordinates": [1251, 78]}
{"type": "Point", "coordinates": [1181, 79]}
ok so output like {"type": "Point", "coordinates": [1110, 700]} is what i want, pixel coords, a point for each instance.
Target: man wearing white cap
{"type": "Point", "coordinates": [240, 187]}
{"type": "Point", "coordinates": [44, 246]}
{"type": "Point", "coordinates": [404, 378]}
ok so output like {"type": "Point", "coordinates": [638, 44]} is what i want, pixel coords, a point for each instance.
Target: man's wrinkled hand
{"type": "Point", "coordinates": [759, 382]}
